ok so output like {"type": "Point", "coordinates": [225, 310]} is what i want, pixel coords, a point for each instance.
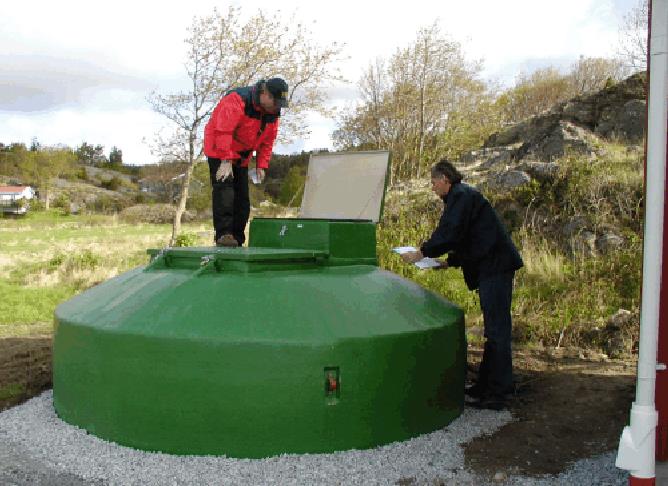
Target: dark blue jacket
{"type": "Point", "coordinates": [472, 235]}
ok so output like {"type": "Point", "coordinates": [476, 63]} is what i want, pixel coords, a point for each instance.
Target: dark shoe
{"type": "Point", "coordinates": [475, 391]}
{"type": "Point", "coordinates": [228, 241]}
{"type": "Point", "coordinates": [490, 403]}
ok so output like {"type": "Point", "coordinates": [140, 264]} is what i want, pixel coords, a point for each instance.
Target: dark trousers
{"type": "Point", "coordinates": [496, 369]}
{"type": "Point", "coordinates": [230, 201]}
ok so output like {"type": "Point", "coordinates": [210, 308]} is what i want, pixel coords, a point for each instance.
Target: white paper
{"type": "Point", "coordinates": [253, 176]}
{"type": "Point", "coordinates": [427, 263]}
{"type": "Point", "coordinates": [404, 249]}
{"type": "Point", "coordinates": [421, 264]}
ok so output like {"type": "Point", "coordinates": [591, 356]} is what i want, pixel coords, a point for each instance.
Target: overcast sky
{"type": "Point", "coordinates": [75, 71]}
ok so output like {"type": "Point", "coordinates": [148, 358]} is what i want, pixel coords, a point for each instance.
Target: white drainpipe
{"type": "Point", "coordinates": [637, 443]}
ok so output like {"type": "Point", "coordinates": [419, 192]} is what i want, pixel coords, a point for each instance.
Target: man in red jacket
{"type": "Point", "coordinates": [244, 121]}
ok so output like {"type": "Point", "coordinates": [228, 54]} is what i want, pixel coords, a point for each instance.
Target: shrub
{"type": "Point", "coordinates": [62, 202]}
{"type": "Point", "coordinates": [86, 260]}
{"type": "Point", "coordinates": [153, 213]}
{"type": "Point", "coordinates": [108, 204]}
{"type": "Point", "coordinates": [36, 205]}
{"type": "Point", "coordinates": [186, 239]}
{"type": "Point", "coordinates": [292, 189]}
{"type": "Point", "coordinates": [112, 184]}
{"type": "Point", "coordinates": [199, 200]}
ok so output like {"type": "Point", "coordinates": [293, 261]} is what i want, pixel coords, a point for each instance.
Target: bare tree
{"type": "Point", "coordinates": [593, 73]}
{"type": "Point", "coordinates": [224, 51]}
{"type": "Point", "coordinates": [633, 37]}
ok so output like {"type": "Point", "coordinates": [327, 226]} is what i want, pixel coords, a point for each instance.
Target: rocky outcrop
{"type": "Point", "coordinates": [617, 334]}
{"type": "Point", "coordinates": [617, 112]}
{"type": "Point", "coordinates": [529, 150]}
{"type": "Point", "coordinates": [508, 180]}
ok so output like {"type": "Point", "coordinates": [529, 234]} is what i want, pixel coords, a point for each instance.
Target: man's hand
{"type": "Point", "coordinates": [224, 171]}
{"type": "Point", "coordinates": [412, 256]}
{"type": "Point", "coordinates": [443, 263]}
{"type": "Point", "coordinates": [260, 175]}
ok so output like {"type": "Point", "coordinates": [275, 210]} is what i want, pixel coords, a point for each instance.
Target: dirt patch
{"type": "Point", "coordinates": [566, 408]}
{"type": "Point", "coordinates": [25, 368]}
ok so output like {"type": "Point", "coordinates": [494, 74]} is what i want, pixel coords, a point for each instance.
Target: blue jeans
{"type": "Point", "coordinates": [496, 369]}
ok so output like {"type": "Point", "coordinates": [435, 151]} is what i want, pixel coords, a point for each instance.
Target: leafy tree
{"type": "Point", "coordinates": [12, 160]}
{"type": "Point", "coordinates": [90, 154]}
{"type": "Point", "coordinates": [115, 156]}
{"type": "Point", "coordinates": [407, 102]}
{"type": "Point", "coordinates": [45, 165]}
{"type": "Point", "coordinates": [470, 125]}
{"type": "Point", "coordinates": [632, 48]}
{"type": "Point", "coordinates": [278, 171]}
{"type": "Point", "coordinates": [539, 91]}
{"type": "Point", "coordinates": [224, 51]}
{"type": "Point", "coordinates": [292, 189]}
{"type": "Point", "coordinates": [535, 93]}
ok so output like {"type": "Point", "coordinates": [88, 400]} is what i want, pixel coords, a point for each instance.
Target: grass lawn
{"type": "Point", "coordinates": [47, 257]}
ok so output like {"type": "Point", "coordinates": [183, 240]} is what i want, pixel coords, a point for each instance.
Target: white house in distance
{"type": "Point", "coordinates": [14, 199]}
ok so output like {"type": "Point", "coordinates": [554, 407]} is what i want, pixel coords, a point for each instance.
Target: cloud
{"type": "Point", "coordinates": [33, 83]}
{"type": "Point", "coordinates": [81, 70]}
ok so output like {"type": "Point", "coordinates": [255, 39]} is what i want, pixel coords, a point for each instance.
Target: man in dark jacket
{"type": "Point", "coordinates": [244, 121]}
{"type": "Point", "coordinates": [473, 237]}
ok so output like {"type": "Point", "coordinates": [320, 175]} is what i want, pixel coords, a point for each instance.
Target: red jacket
{"type": "Point", "coordinates": [238, 126]}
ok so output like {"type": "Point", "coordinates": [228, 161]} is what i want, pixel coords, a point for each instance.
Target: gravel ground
{"type": "Point", "coordinates": [37, 448]}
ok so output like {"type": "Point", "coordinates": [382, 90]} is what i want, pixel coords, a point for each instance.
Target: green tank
{"type": "Point", "coordinates": [298, 343]}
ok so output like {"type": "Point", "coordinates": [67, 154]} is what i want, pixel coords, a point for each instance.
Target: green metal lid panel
{"type": "Point", "coordinates": [346, 242]}
{"type": "Point", "coordinates": [215, 259]}
{"type": "Point", "coordinates": [243, 253]}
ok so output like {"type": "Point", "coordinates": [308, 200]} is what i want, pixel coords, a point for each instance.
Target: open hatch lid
{"type": "Point", "coordinates": [346, 185]}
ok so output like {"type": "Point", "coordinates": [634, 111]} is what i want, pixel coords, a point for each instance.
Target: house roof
{"type": "Point", "coordinates": [12, 189]}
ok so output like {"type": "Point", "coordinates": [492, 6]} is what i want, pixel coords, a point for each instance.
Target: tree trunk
{"type": "Point", "coordinates": [181, 207]}
{"type": "Point", "coordinates": [421, 134]}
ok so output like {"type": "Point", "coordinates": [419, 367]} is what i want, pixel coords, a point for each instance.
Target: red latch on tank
{"type": "Point", "coordinates": [332, 384]}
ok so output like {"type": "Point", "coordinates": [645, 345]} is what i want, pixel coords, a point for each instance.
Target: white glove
{"type": "Point", "coordinates": [224, 171]}
{"type": "Point", "coordinates": [260, 174]}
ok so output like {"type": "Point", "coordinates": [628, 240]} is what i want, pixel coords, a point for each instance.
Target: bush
{"type": "Point", "coordinates": [292, 189]}
{"type": "Point", "coordinates": [112, 184]}
{"type": "Point", "coordinates": [36, 205]}
{"type": "Point", "coordinates": [62, 202]}
{"type": "Point", "coordinates": [85, 260]}
{"type": "Point", "coordinates": [199, 200]}
{"type": "Point", "coordinates": [153, 213]}
{"type": "Point", "coordinates": [106, 204]}
{"type": "Point", "coordinates": [186, 239]}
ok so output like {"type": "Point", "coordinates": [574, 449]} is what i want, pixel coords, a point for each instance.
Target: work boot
{"type": "Point", "coordinates": [490, 402]}
{"type": "Point", "coordinates": [475, 391]}
{"type": "Point", "coordinates": [228, 241]}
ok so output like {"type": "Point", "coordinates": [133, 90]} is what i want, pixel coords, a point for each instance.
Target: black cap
{"type": "Point", "coordinates": [279, 90]}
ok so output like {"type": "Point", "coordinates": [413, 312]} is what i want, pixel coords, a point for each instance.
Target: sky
{"type": "Point", "coordinates": [75, 71]}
